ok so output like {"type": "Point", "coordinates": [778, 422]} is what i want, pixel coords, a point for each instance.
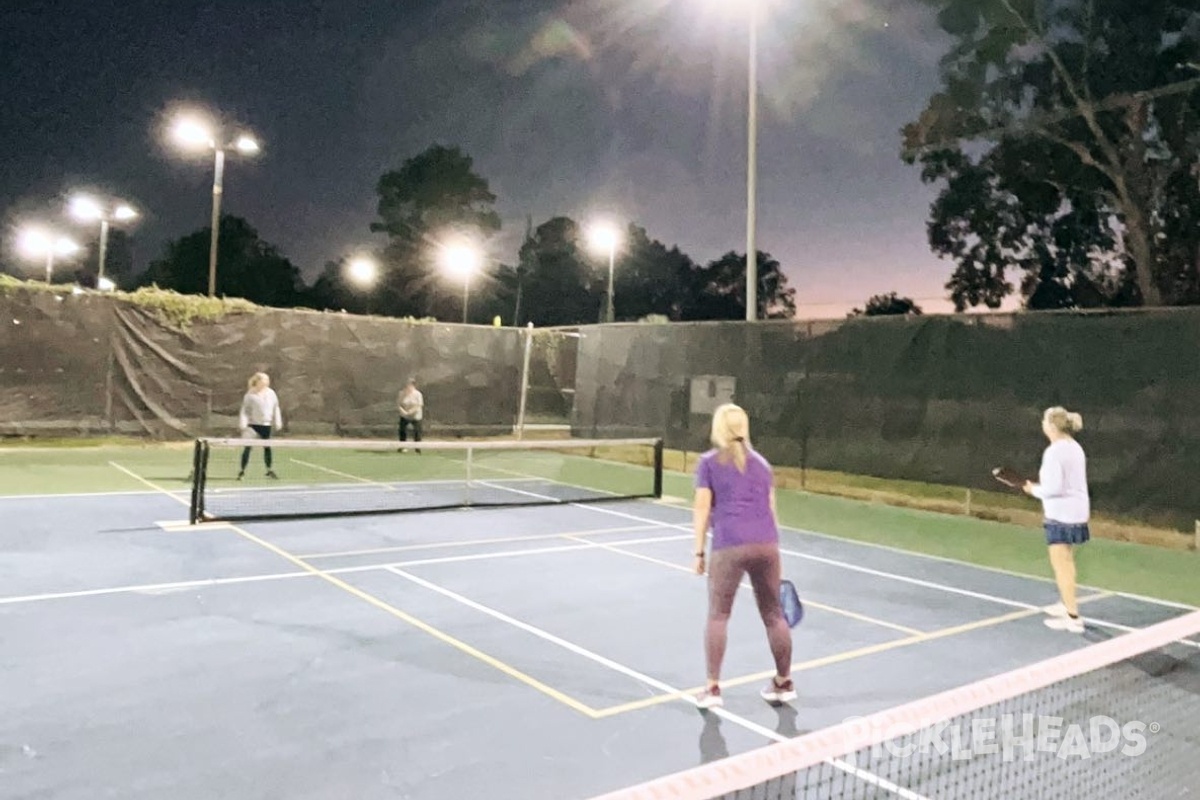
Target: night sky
{"type": "Point", "coordinates": [630, 109]}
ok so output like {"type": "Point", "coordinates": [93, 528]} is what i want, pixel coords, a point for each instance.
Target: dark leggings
{"type": "Point", "coordinates": [726, 567]}
{"type": "Point", "coordinates": [264, 432]}
{"type": "Point", "coordinates": [404, 426]}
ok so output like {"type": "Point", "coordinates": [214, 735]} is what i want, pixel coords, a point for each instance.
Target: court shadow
{"type": "Point", "coordinates": [786, 725]}
{"type": "Point", "coordinates": [713, 746]}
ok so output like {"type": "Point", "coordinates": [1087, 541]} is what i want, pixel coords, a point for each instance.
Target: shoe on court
{"type": "Point", "coordinates": [1065, 624]}
{"type": "Point", "coordinates": [1056, 610]}
{"type": "Point", "coordinates": [710, 698]}
{"type": "Point", "coordinates": [777, 692]}
{"type": "Point", "coordinates": [271, 474]}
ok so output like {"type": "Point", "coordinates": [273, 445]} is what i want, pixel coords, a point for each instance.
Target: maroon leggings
{"type": "Point", "coordinates": [725, 570]}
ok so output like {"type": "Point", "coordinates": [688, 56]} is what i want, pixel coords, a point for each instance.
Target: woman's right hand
{"type": "Point", "coordinates": [699, 565]}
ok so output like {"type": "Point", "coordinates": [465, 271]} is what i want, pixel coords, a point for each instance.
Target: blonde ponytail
{"type": "Point", "coordinates": [1064, 421]}
{"type": "Point", "coordinates": [731, 435]}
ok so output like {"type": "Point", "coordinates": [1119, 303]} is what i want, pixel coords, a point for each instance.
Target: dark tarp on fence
{"type": "Point", "coordinates": [87, 364]}
{"type": "Point", "coordinates": [939, 399]}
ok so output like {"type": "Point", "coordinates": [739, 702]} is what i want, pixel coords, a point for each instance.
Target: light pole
{"type": "Point", "coordinates": [752, 170]}
{"type": "Point", "coordinates": [604, 239]}
{"type": "Point", "coordinates": [463, 260]}
{"type": "Point", "coordinates": [87, 209]}
{"type": "Point", "coordinates": [38, 243]}
{"type": "Point", "coordinates": [193, 133]}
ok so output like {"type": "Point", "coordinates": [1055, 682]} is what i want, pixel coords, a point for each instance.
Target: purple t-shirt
{"type": "Point", "coordinates": [741, 506]}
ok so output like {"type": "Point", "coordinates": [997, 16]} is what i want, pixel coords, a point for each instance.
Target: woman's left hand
{"type": "Point", "coordinates": [1028, 487]}
{"type": "Point", "coordinates": [699, 565]}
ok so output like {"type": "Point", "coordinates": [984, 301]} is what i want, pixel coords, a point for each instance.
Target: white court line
{"type": "Point", "coordinates": [960, 563]}
{"type": "Point", "coordinates": [173, 494]}
{"type": "Point", "coordinates": [389, 487]}
{"type": "Point", "coordinates": [477, 542]}
{"type": "Point", "coordinates": [641, 677]}
{"type": "Point", "coordinates": [881, 574]}
{"type": "Point", "coordinates": [803, 531]}
{"type": "Point", "coordinates": [132, 493]}
{"type": "Point", "coordinates": [156, 588]}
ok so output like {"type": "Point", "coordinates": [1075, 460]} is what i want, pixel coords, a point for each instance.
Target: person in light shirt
{"type": "Point", "coordinates": [260, 415]}
{"type": "Point", "coordinates": [1062, 487]}
{"type": "Point", "coordinates": [411, 405]}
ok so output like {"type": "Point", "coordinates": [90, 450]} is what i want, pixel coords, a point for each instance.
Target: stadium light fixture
{"type": "Point", "coordinates": [40, 243]}
{"type": "Point", "coordinates": [604, 238]}
{"type": "Point", "coordinates": [362, 271]}
{"type": "Point", "coordinates": [462, 259]}
{"type": "Point", "coordinates": [193, 132]}
{"type": "Point", "coordinates": [88, 209]}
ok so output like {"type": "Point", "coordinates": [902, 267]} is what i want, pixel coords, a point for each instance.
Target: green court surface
{"type": "Point", "coordinates": [1115, 566]}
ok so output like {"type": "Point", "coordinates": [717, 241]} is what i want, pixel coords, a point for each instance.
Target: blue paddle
{"type": "Point", "coordinates": [793, 610]}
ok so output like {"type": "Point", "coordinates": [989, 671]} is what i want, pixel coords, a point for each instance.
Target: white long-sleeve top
{"type": "Point", "coordinates": [411, 405]}
{"type": "Point", "coordinates": [1062, 483]}
{"type": "Point", "coordinates": [260, 408]}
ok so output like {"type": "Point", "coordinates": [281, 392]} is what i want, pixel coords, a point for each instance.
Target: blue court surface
{"type": "Point", "coordinates": [527, 652]}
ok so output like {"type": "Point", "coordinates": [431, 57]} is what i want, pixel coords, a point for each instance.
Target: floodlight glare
{"type": "Point", "coordinates": [604, 238]}
{"type": "Point", "coordinates": [461, 259]}
{"type": "Point", "coordinates": [363, 271]}
{"type": "Point", "coordinates": [33, 243]}
{"type": "Point", "coordinates": [192, 133]}
{"type": "Point", "coordinates": [246, 145]}
{"type": "Point", "coordinates": [86, 209]}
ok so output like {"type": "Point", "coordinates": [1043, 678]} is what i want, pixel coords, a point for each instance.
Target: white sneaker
{"type": "Point", "coordinates": [1065, 624]}
{"type": "Point", "coordinates": [777, 692]}
{"type": "Point", "coordinates": [710, 698]}
{"type": "Point", "coordinates": [1056, 610]}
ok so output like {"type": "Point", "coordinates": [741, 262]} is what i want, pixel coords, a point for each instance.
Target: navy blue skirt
{"type": "Point", "coordinates": [1066, 533]}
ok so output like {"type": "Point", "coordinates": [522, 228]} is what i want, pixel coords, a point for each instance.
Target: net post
{"type": "Point", "coordinates": [524, 381]}
{"type": "Point", "coordinates": [1196, 536]}
{"type": "Point", "coordinates": [470, 457]}
{"type": "Point", "coordinates": [196, 507]}
{"type": "Point", "coordinates": [658, 468]}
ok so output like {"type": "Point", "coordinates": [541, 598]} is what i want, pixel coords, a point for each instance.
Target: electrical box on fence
{"type": "Point", "coordinates": [710, 391]}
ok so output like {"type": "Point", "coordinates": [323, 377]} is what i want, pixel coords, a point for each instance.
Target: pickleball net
{"type": "Point", "coordinates": [320, 478]}
{"type": "Point", "coordinates": [1118, 719]}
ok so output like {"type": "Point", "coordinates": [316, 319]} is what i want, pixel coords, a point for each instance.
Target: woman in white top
{"type": "Point", "coordinates": [259, 416]}
{"type": "Point", "coordinates": [1062, 488]}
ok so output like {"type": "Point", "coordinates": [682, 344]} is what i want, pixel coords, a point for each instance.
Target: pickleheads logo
{"type": "Point", "coordinates": [1011, 736]}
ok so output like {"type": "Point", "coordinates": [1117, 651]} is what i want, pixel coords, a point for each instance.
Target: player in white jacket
{"type": "Point", "coordinates": [260, 415]}
{"type": "Point", "coordinates": [1063, 489]}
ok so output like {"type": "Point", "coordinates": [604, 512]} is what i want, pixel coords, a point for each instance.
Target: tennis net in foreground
{"type": "Point", "coordinates": [315, 478]}
{"type": "Point", "coordinates": [1120, 719]}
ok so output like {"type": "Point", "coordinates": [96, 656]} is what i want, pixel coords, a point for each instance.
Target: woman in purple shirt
{"type": "Point", "coordinates": [735, 493]}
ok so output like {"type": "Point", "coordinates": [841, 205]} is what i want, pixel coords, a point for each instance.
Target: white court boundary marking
{"type": "Point", "coordinates": [959, 563]}
{"type": "Point", "coordinates": [753, 727]}
{"type": "Point", "coordinates": [882, 574]}
{"type": "Point", "coordinates": [804, 531]}
{"type": "Point", "coordinates": [737, 720]}
{"type": "Point", "coordinates": [163, 588]}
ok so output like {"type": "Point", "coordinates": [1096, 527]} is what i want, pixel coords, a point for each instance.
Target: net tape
{"type": "Point", "coordinates": [323, 477]}
{"type": "Point", "coordinates": [390, 445]}
{"type": "Point", "coordinates": [834, 745]}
